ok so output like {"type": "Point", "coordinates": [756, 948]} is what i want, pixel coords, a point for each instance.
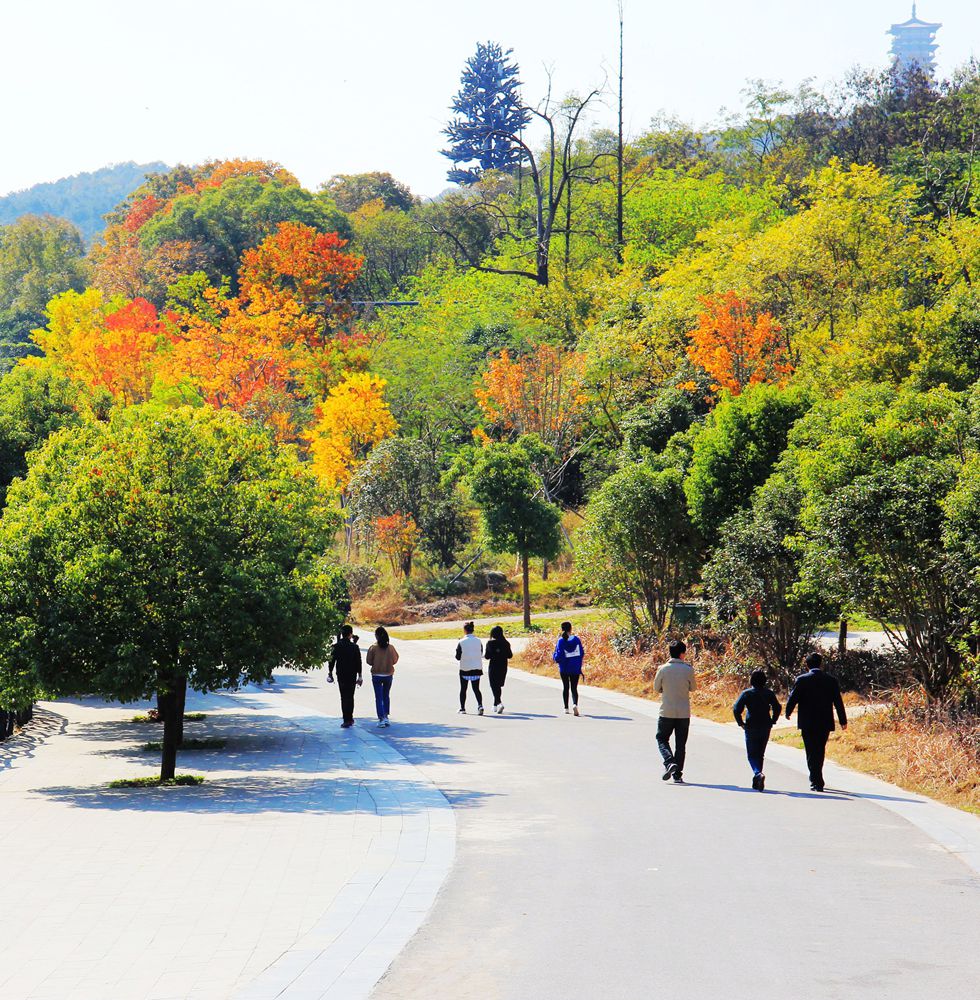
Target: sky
{"type": "Point", "coordinates": [343, 86]}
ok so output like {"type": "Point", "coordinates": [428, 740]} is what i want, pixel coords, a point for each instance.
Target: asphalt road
{"type": "Point", "coordinates": [580, 874]}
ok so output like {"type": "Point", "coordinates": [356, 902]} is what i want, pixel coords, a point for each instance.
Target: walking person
{"type": "Point", "coordinates": [498, 652]}
{"type": "Point", "coordinates": [469, 652]}
{"type": "Point", "coordinates": [761, 709]}
{"type": "Point", "coordinates": [381, 658]}
{"type": "Point", "coordinates": [345, 658]}
{"type": "Point", "coordinates": [674, 683]}
{"type": "Point", "coordinates": [569, 654]}
{"type": "Point", "coordinates": [816, 695]}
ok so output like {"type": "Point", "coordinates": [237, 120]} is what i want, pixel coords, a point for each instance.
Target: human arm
{"type": "Point", "coordinates": [792, 700]}
{"type": "Point", "coordinates": [738, 708]}
{"type": "Point", "coordinates": [370, 656]}
{"type": "Point", "coordinates": [508, 651]}
{"type": "Point", "coordinates": [775, 707]}
{"type": "Point", "coordinates": [658, 681]}
{"type": "Point", "coordinates": [394, 655]}
{"type": "Point", "coordinates": [559, 647]}
{"type": "Point", "coordinates": [839, 705]}
{"type": "Point", "coordinates": [459, 651]}
{"type": "Point", "coordinates": [692, 684]}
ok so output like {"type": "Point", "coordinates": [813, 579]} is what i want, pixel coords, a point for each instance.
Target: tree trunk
{"type": "Point", "coordinates": [544, 569]}
{"type": "Point", "coordinates": [526, 578]}
{"type": "Point", "coordinates": [181, 702]}
{"type": "Point", "coordinates": [842, 637]}
{"type": "Point", "coordinates": [170, 701]}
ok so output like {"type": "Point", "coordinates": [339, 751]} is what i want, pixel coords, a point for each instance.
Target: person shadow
{"type": "Point", "coordinates": [830, 794]}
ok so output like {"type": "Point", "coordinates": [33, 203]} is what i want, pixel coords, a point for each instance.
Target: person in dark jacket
{"type": "Point", "coordinates": [345, 658]}
{"type": "Point", "coordinates": [498, 652]}
{"type": "Point", "coordinates": [817, 695]}
{"type": "Point", "coordinates": [569, 654]}
{"type": "Point", "coordinates": [760, 708]}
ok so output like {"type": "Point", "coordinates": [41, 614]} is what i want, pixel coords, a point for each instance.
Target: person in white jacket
{"type": "Point", "coordinates": [469, 652]}
{"type": "Point", "coordinates": [674, 683]}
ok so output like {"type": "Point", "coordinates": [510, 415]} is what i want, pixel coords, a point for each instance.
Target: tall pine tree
{"type": "Point", "coordinates": [489, 113]}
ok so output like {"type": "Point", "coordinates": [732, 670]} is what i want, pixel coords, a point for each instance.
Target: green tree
{"type": "Point", "coordinates": [34, 403]}
{"type": "Point", "coordinates": [403, 476]}
{"type": "Point", "coordinates": [515, 516]}
{"type": "Point", "coordinates": [160, 550]}
{"type": "Point", "coordinates": [638, 550]}
{"type": "Point", "coordinates": [736, 450]}
{"type": "Point", "coordinates": [755, 582]}
{"type": "Point", "coordinates": [352, 191]}
{"type": "Point", "coordinates": [40, 257]}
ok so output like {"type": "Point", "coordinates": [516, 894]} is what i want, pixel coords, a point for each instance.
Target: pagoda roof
{"type": "Point", "coordinates": [914, 22]}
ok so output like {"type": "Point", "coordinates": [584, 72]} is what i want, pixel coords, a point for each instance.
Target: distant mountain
{"type": "Point", "coordinates": [82, 199]}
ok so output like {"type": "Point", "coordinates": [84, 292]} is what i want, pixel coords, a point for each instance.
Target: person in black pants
{"type": "Point", "coordinates": [763, 710]}
{"type": "Point", "coordinates": [498, 652]}
{"type": "Point", "coordinates": [345, 658]}
{"type": "Point", "coordinates": [817, 695]}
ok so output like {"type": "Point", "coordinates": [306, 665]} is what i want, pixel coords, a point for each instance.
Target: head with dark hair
{"type": "Point", "coordinates": [347, 631]}
{"type": "Point", "coordinates": [496, 632]}
{"type": "Point", "coordinates": [814, 661]}
{"type": "Point", "coordinates": [381, 635]}
{"type": "Point", "coordinates": [468, 628]}
{"type": "Point", "coordinates": [758, 679]}
{"type": "Point", "coordinates": [677, 648]}
{"type": "Point", "coordinates": [566, 629]}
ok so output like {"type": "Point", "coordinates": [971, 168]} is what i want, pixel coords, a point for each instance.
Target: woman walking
{"type": "Point", "coordinates": [381, 658]}
{"type": "Point", "coordinates": [498, 652]}
{"type": "Point", "coordinates": [569, 654]}
{"type": "Point", "coordinates": [469, 652]}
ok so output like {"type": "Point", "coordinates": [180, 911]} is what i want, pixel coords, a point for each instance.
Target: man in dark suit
{"type": "Point", "coordinates": [817, 694]}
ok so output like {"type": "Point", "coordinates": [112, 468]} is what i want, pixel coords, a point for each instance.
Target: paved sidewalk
{"type": "Point", "coordinates": [298, 870]}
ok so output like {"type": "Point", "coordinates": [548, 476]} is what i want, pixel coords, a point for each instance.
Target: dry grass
{"type": "Point", "coordinates": [384, 608]}
{"type": "Point", "coordinates": [930, 753]}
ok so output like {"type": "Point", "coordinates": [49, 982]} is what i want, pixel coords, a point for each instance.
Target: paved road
{"type": "Point", "coordinates": [428, 625]}
{"type": "Point", "coordinates": [579, 874]}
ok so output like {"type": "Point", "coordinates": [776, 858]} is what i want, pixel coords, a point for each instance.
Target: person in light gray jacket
{"type": "Point", "coordinates": [674, 683]}
{"type": "Point", "coordinates": [469, 653]}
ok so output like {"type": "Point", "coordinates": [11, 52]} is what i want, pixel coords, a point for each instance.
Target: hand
{"type": "Point", "coordinates": [360, 681]}
{"type": "Point", "coordinates": [330, 678]}
{"type": "Point", "coordinates": [843, 725]}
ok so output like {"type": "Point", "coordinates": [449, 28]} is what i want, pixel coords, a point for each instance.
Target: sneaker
{"type": "Point", "coordinates": [678, 777]}
{"type": "Point", "coordinates": [669, 772]}
{"type": "Point", "coordinates": [346, 725]}
{"type": "Point", "coordinates": [755, 782]}
{"type": "Point", "coordinates": [479, 711]}
{"type": "Point", "coordinates": [462, 711]}
{"type": "Point", "coordinates": [575, 710]}
{"type": "Point", "coordinates": [567, 712]}
{"type": "Point", "coordinates": [762, 782]}
{"type": "Point", "coordinates": [500, 710]}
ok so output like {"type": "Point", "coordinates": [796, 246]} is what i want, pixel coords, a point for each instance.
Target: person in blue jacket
{"type": "Point", "coordinates": [569, 654]}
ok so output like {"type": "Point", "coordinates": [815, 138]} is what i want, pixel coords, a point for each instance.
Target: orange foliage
{"type": "Point", "coordinates": [215, 174]}
{"type": "Point", "coordinates": [398, 537]}
{"type": "Point", "coordinates": [736, 347]}
{"type": "Point", "coordinates": [539, 393]}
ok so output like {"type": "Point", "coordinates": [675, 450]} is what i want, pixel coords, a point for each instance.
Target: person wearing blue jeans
{"type": "Point", "coordinates": [760, 708]}
{"type": "Point", "coordinates": [381, 658]}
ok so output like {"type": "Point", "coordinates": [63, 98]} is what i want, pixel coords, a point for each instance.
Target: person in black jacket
{"type": "Point", "coordinates": [817, 694]}
{"type": "Point", "coordinates": [761, 708]}
{"type": "Point", "coordinates": [498, 652]}
{"type": "Point", "coordinates": [346, 659]}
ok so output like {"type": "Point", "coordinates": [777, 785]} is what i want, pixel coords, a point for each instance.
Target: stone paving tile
{"type": "Point", "coordinates": [296, 854]}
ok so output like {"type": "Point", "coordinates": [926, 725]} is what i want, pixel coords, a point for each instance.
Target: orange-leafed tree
{"type": "Point", "coordinates": [398, 537]}
{"type": "Point", "coordinates": [116, 346]}
{"type": "Point", "coordinates": [542, 393]}
{"type": "Point", "coordinates": [737, 346]}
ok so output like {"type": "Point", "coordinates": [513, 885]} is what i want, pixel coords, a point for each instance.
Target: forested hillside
{"type": "Point", "coordinates": [738, 365]}
{"type": "Point", "coordinates": [82, 199]}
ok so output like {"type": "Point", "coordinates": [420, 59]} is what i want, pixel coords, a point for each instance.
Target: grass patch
{"type": "Point", "coordinates": [208, 743]}
{"type": "Point", "coordinates": [195, 716]}
{"type": "Point", "coordinates": [179, 779]}
{"type": "Point", "coordinates": [513, 630]}
{"type": "Point", "coordinates": [152, 716]}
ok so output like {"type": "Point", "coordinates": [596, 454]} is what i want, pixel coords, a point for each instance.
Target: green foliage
{"type": "Point", "coordinates": [403, 476]}
{"type": "Point", "coordinates": [177, 780]}
{"type": "Point", "coordinates": [34, 403]}
{"type": "Point", "coordinates": [350, 192]}
{"type": "Point", "coordinates": [226, 221]}
{"type": "Point", "coordinates": [754, 579]}
{"type": "Point", "coordinates": [162, 547]}
{"type": "Point", "coordinates": [40, 257]}
{"type": "Point", "coordinates": [736, 450]}
{"type": "Point", "coordinates": [638, 550]}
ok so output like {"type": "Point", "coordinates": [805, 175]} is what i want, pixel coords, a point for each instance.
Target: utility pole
{"type": "Point", "coordinates": [619, 148]}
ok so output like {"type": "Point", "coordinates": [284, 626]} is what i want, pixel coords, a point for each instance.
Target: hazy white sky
{"type": "Point", "coordinates": [338, 86]}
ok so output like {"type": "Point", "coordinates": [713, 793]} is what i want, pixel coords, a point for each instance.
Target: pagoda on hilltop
{"type": "Point", "coordinates": [914, 44]}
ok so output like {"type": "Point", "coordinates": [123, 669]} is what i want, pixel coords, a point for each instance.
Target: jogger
{"type": "Point", "coordinates": [498, 652]}
{"type": "Point", "coordinates": [469, 652]}
{"type": "Point", "coordinates": [674, 683]}
{"type": "Point", "coordinates": [762, 708]}
{"type": "Point", "coordinates": [381, 658]}
{"type": "Point", "coordinates": [569, 654]}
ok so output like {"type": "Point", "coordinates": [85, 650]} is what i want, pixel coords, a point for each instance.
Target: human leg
{"type": "Point", "coordinates": [476, 691]}
{"type": "Point", "coordinates": [386, 682]}
{"type": "Point", "coordinates": [681, 728]}
{"type": "Point", "coordinates": [564, 689]}
{"type": "Point", "coordinates": [495, 686]}
{"type": "Point", "coordinates": [573, 683]}
{"type": "Point", "coordinates": [665, 728]}
{"type": "Point", "coordinates": [815, 744]}
{"type": "Point", "coordinates": [755, 748]}
{"type": "Point", "coordinates": [378, 685]}
{"type": "Point", "coordinates": [462, 694]}
{"type": "Point", "coordinates": [347, 685]}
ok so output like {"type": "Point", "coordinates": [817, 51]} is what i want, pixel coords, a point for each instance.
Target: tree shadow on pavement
{"type": "Point", "coordinates": [266, 794]}
{"type": "Point", "coordinates": [42, 727]}
{"type": "Point", "coordinates": [418, 740]}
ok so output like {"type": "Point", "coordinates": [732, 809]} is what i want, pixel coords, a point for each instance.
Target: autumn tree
{"type": "Point", "coordinates": [736, 346]}
{"type": "Point", "coordinates": [398, 537]}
